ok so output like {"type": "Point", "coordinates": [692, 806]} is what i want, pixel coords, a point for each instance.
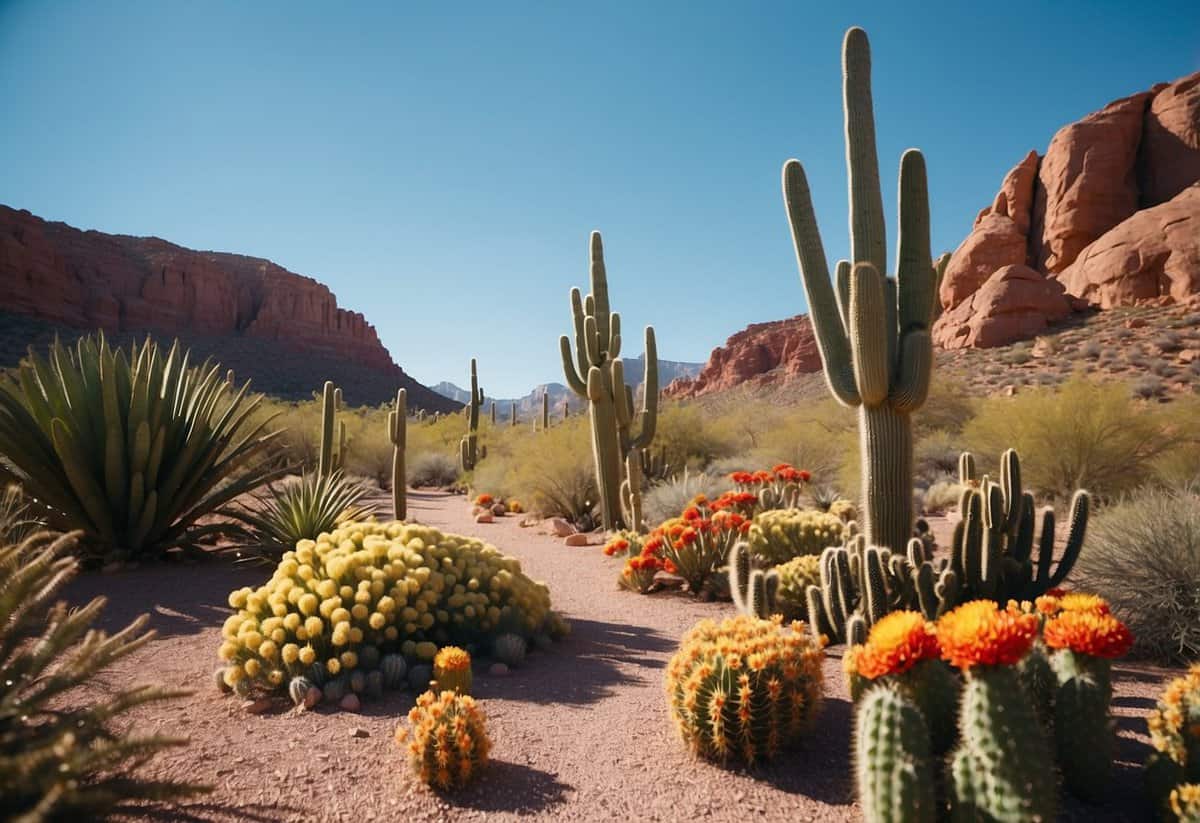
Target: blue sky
{"type": "Point", "coordinates": [440, 169]}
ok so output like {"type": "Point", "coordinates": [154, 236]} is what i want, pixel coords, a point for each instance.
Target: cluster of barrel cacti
{"type": "Point", "coordinates": [446, 739]}
{"type": "Point", "coordinates": [1173, 770]}
{"type": "Point", "coordinates": [596, 373]}
{"type": "Point", "coordinates": [778, 535]}
{"type": "Point", "coordinates": [923, 689]}
{"type": "Point", "coordinates": [744, 689]}
{"type": "Point", "coordinates": [470, 451]}
{"type": "Point", "coordinates": [337, 608]}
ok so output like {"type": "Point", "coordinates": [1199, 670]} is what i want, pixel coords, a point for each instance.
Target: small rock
{"type": "Point", "coordinates": [485, 517]}
{"type": "Point", "coordinates": [576, 539]}
{"type": "Point", "coordinates": [312, 697]}
{"type": "Point", "coordinates": [263, 704]}
{"type": "Point", "coordinates": [499, 510]}
{"type": "Point", "coordinates": [358, 731]}
{"type": "Point", "coordinates": [1135, 323]}
{"type": "Point", "coordinates": [562, 527]}
{"type": "Point", "coordinates": [350, 703]}
{"type": "Point", "coordinates": [498, 670]}
{"type": "Point", "coordinates": [1009, 390]}
{"type": "Point", "coordinates": [112, 568]}
{"type": "Point", "coordinates": [1189, 356]}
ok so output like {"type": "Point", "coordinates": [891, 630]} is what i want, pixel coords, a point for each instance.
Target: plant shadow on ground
{"type": "Point", "coordinates": [180, 599]}
{"type": "Point", "coordinates": [200, 811]}
{"type": "Point", "coordinates": [513, 788]}
{"type": "Point", "coordinates": [597, 657]}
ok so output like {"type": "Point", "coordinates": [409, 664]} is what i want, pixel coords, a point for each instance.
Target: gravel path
{"type": "Point", "coordinates": [580, 733]}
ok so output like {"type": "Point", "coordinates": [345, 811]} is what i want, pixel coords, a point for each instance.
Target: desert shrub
{"type": "Point", "coordinates": [768, 711]}
{"type": "Point", "coordinates": [71, 761]}
{"type": "Point", "coordinates": [813, 436]}
{"type": "Point", "coordinates": [1017, 357]}
{"type": "Point", "coordinates": [668, 499]}
{"type": "Point", "coordinates": [690, 438]}
{"type": "Point", "coordinates": [432, 469]}
{"type": "Point", "coordinates": [368, 447]}
{"type": "Point", "coordinates": [1168, 341]}
{"type": "Point", "coordinates": [949, 406]}
{"type": "Point", "coordinates": [936, 454]}
{"type": "Point", "coordinates": [447, 744]}
{"type": "Point", "coordinates": [1148, 387]}
{"type": "Point", "coordinates": [1143, 554]}
{"type": "Point", "coordinates": [1084, 434]}
{"type": "Point", "coordinates": [366, 590]}
{"type": "Point", "coordinates": [824, 496]}
{"type": "Point", "coordinates": [300, 508]}
{"type": "Point", "coordinates": [131, 449]}
{"type": "Point", "coordinates": [778, 535]}
{"type": "Point", "coordinates": [941, 496]}
{"type": "Point", "coordinates": [551, 471]}
{"type": "Point", "coordinates": [1179, 466]}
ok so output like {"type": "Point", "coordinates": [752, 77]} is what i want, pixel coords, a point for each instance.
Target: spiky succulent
{"type": "Point", "coordinates": [298, 509]}
{"type": "Point", "coordinates": [447, 739]}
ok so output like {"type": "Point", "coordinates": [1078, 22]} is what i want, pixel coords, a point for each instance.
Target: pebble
{"type": "Point", "coordinates": [577, 539]}
{"type": "Point", "coordinates": [263, 704]}
{"type": "Point", "coordinates": [562, 527]}
{"type": "Point", "coordinates": [312, 697]}
{"type": "Point", "coordinates": [358, 731]}
{"type": "Point", "coordinates": [485, 517]}
{"type": "Point", "coordinates": [498, 670]}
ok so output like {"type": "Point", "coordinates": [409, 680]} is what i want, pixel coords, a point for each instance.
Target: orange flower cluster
{"type": "Point", "coordinates": [1057, 600]}
{"type": "Point", "coordinates": [980, 633]}
{"type": "Point", "coordinates": [447, 742]}
{"type": "Point", "coordinates": [484, 500]}
{"type": "Point", "coordinates": [896, 643]}
{"type": "Point", "coordinates": [783, 484]}
{"type": "Point", "coordinates": [1094, 633]}
{"type": "Point", "coordinates": [615, 546]}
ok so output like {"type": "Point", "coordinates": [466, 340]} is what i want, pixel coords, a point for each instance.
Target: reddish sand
{"type": "Point", "coordinates": [580, 733]}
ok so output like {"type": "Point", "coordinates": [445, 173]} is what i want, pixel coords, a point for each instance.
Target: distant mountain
{"type": "Point", "coordinates": [530, 405]}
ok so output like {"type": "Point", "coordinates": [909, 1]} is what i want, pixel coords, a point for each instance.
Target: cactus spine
{"type": "Point", "coordinates": [469, 452]}
{"type": "Point", "coordinates": [595, 372]}
{"type": "Point", "coordinates": [398, 434]}
{"type": "Point", "coordinates": [893, 763]}
{"type": "Point", "coordinates": [1002, 770]}
{"type": "Point", "coordinates": [874, 334]}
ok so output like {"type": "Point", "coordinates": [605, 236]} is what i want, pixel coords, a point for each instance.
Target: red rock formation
{"type": "Point", "coordinates": [1109, 215]}
{"type": "Point", "coordinates": [1152, 256]}
{"type": "Point", "coordinates": [118, 283]}
{"type": "Point", "coordinates": [1015, 303]}
{"type": "Point", "coordinates": [762, 353]}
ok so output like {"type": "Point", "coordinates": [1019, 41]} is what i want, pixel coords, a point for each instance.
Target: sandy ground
{"type": "Point", "coordinates": [580, 733]}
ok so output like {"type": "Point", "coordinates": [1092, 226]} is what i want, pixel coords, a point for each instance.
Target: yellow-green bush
{"type": "Point", "coordinates": [1086, 434]}
{"type": "Point", "coordinates": [369, 589]}
{"type": "Point", "coordinates": [691, 437]}
{"type": "Point", "coordinates": [778, 535]}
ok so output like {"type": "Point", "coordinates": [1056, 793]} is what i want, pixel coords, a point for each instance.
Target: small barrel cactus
{"type": "Point", "coordinates": [452, 670]}
{"type": "Point", "coordinates": [357, 681]}
{"type": "Point", "coordinates": [778, 535]}
{"type": "Point", "coordinates": [510, 649]}
{"type": "Point", "coordinates": [893, 761]}
{"type": "Point", "coordinates": [1173, 770]}
{"type": "Point", "coordinates": [374, 687]}
{"type": "Point", "coordinates": [368, 658]}
{"type": "Point", "coordinates": [223, 686]}
{"type": "Point", "coordinates": [393, 668]}
{"type": "Point", "coordinates": [335, 690]}
{"type": "Point", "coordinates": [744, 688]}
{"type": "Point", "coordinates": [447, 743]}
{"type": "Point", "coordinates": [795, 576]}
{"type": "Point", "coordinates": [298, 690]}
{"type": "Point", "coordinates": [420, 676]}
{"type": "Point", "coordinates": [1003, 768]}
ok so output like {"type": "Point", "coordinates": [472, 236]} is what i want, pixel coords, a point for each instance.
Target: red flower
{"type": "Point", "coordinates": [688, 536]}
{"type": "Point", "coordinates": [691, 513]}
{"type": "Point", "coordinates": [1091, 633]}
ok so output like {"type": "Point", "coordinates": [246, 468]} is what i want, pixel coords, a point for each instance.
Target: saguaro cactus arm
{"type": "Point", "coordinates": [398, 434]}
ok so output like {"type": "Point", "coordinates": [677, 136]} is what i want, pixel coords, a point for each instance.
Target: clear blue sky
{"type": "Point", "coordinates": [440, 170]}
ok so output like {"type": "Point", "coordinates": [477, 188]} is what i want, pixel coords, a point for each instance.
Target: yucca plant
{"type": "Point", "coordinates": [61, 755]}
{"type": "Point", "coordinates": [130, 449]}
{"type": "Point", "coordinates": [300, 509]}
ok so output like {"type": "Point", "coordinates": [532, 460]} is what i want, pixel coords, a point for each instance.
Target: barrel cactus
{"type": "Point", "coordinates": [393, 669]}
{"type": "Point", "coordinates": [510, 649]}
{"type": "Point", "coordinates": [744, 688]}
{"type": "Point", "coordinates": [446, 740]}
{"type": "Point", "coordinates": [893, 763]}
{"type": "Point", "coordinates": [452, 670]}
{"type": "Point", "coordinates": [1173, 770]}
{"type": "Point", "coordinates": [795, 576]}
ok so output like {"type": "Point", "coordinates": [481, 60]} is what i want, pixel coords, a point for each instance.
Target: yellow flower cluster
{"type": "Point", "coordinates": [390, 587]}
{"type": "Point", "coordinates": [778, 535]}
{"type": "Point", "coordinates": [1173, 730]}
{"type": "Point", "coordinates": [744, 688]}
{"type": "Point", "coordinates": [452, 670]}
{"type": "Point", "coordinates": [448, 743]}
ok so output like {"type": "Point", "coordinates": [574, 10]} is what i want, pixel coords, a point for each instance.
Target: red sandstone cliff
{"type": "Point", "coordinates": [93, 280]}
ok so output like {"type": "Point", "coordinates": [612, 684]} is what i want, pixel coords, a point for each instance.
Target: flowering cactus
{"type": "Point", "coordinates": [447, 743]}
{"type": "Point", "coordinates": [744, 688]}
{"type": "Point", "coordinates": [452, 670]}
{"type": "Point", "coordinates": [1173, 770]}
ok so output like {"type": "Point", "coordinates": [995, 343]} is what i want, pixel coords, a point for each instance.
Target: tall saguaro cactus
{"type": "Point", "coordinates": [595, 372]}
{"type": "Point", "coordinates": [545, 410]}
{"type": "Point", "coordinates": [512, 418]}
{"type": "Point", "coordinates": [398, 433]}
{"type": "Point", "coordinates": [333, 431]}
{"type": "Point", "coordinates": [873, 333]}
{"type": "Point", "coordinates": [469, 452]}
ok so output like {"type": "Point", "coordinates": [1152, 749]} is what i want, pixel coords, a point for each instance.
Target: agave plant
{"type": "Point", "coordinates": [131, 450]}
{"type": "Point", "coordinates": [66, 760]}
{"type": "Point", "coordinates": [301, 509]}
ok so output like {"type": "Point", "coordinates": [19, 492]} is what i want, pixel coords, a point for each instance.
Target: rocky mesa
{"type": "Point", "coordinates": [89, 280]}
{"type": "Point", "coordinates": [1108, 216]}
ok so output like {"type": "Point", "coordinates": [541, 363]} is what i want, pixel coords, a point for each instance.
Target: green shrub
{"type": "Point", "coordinates": [1084, 434]}
{"type": "Point", "coordinates": [936, 454]}
{"type": "Point", "coordinates": [689, 437]}
{"type": "Point", "coordinates": [1143, 554]}
{"type": "Point", "coordinates": [132, 450]}
{"type": "Point", "coordinates": [941, 496]}
{"type": "Point", "coordinates": [68, 760]}
{"type": "Point", "coordinates": [550, 471]}
{"type": "Point", "coordinates": [432, 469]}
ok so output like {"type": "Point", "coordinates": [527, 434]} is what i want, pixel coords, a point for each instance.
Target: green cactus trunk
{"type": "Point", "coordinates": [885, 437]}
{"type": "Point", "coordinates": [545, 411]}
{"type": "Point", "coordinates": [1084, 736]}
{"type": "Point", "coordinates": [893, 764]}
{"type": "Point", "coordinates": [1002, 770]}
{"type": "Point", "coordinates": [398, 434]}
{"type": "Point", "coordinates": [327, 459]}
{"type": "Point", "coordinates": [606, 449]}
{"type": "Point", "coordinates": [469, 451]}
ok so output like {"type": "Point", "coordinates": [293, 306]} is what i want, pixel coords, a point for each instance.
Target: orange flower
{"type": "Point", "coordinates": [692, 513]}
{"type": "Point", "coordinates": [688, 536]}
{"type": "Point", "coordinates": [1077, 602]}
{"type": "Point", "coordinates": [616, 546]}
{"type": "Point", "coordinates": [452, 659]}
{"type": "Point", "coordinates": [1088, 632]}
{"type": "Point", "coordinates": [484, 500]}
{"type": "Point", "coordinates": [979, 633]}
{"type": "Point", "coordinates": [896, 643]}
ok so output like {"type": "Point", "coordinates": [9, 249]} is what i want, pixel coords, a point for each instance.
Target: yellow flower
{"type": "Point", "coordinates": [290, 653]}
{"type": "Point", "coordinates": [333, 665]}
{"type": "Point", "coordinates": [308, 655]}
{"type": "Point", "coordinates": [452, 659]}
